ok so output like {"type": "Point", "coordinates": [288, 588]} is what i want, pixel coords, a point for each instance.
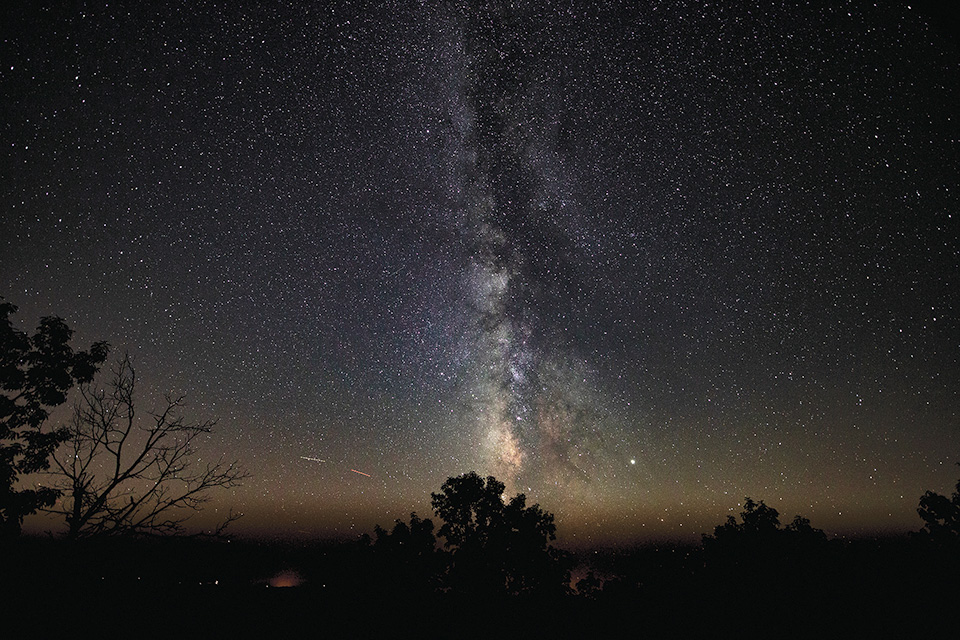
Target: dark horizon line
{"type": "Point", "coordinates": [285, 538]}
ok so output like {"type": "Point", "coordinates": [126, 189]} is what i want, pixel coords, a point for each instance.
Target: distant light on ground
{"type": "Point", "coordinates": [286, 579]}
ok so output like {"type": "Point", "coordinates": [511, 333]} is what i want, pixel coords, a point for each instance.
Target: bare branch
{"type": "Point", "coordinates": [120, 475]}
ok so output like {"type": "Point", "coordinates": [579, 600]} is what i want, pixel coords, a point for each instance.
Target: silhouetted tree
{"type": "Point", "coordinates": [415, 539]}
{"type": "Point", "coordinates": [759, 530]}
{"type": "Point", "coordinates": [941, 515]}
{"type": "Point", "coordinates": [758, 543]}
{"type": "Point", "coordinates": [497, 546]}
{"type": "Point", "coordinates": [758, 523]}
{"type": "Point", "coordinates": [36, 372]}
{"type": "Point", "coordinates": [123, 477]}
{"type": "Point", "coordinates": [801, 529]}
{"type": "Point", "coordinates": [407, 555]}
{"type": "Point", "coordinates": [589, 586]}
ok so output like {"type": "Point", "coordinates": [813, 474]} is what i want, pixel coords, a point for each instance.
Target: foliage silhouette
{"type": "Point", "coordinates": [589, 586]}
{"type": "Point", "coordinates": [122, 477]}
{"type": "Point", "coordinates": [758, 523]}
{"type": "Point", "coordinates": [497, 546]}
{"type": "Point", "coordinates": [413, 540]}
{"type": "Point", "coordinates": [941, 516]}
{"type": "Point", "coordinates": [758, 546]}
{"type": "Point", "coordinates": [801, 530]}
{"type": "Point", "coordinates": [36, 372]}
{"type": "Point", "coordinates": [406, 557]}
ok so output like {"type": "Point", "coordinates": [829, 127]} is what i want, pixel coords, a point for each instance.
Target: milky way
{"type": "Point", "coordinates": [513, 213]}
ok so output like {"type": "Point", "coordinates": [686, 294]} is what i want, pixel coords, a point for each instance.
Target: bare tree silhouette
{"type": "Point", "coordinates": [120, 476]}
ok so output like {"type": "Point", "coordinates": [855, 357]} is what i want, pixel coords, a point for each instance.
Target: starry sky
{"type": "Point", "coordinates": [637, 260]}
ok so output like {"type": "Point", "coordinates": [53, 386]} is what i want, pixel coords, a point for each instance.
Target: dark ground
{"type": "Point", "coordinates": [199, 588]}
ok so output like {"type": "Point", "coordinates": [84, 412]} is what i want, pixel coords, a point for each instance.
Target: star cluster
{"type": "Point", "coordinates": [637, 260]}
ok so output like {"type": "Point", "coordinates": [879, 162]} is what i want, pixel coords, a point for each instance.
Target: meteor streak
{"type": "Point", "coordinates": [311, 459]}
{"type": "Point", "coordinates": [361, 473]}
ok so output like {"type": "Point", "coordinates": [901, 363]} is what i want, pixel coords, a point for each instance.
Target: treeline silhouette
{"type": "Point", "coordinates": [490, 567]}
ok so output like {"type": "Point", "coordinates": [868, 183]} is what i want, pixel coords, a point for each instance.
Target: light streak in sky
{"type": "Point", "coordinates": [361, 473]}
{"type": "Point", "coordinates": [311, 459]}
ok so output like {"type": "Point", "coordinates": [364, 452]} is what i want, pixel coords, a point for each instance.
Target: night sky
{"type": "Point", "coordinates": [638, 262]}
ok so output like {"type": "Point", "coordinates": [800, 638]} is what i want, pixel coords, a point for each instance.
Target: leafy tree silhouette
{"type": "Point", "coordinates": [407, 556]}
{"type": "Point", "coordinates": [36, 372]}
{"type": "Point", "coordinates": [801, 530]}
{"type": "Point", "coordinates": [589, 586]}
{"type": "Point", "coordinates": [414, 540]}
{"type": "Point", "coordinates": [758, 539]}
{"type": "Point", "coordinates": [497, 546]}
{"type": "Point", "coordinates": [941, 516]}
{"type": "Point", "coordinates": [759, 561]}
{"type": "Point", "coordinates": [759, 523]}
